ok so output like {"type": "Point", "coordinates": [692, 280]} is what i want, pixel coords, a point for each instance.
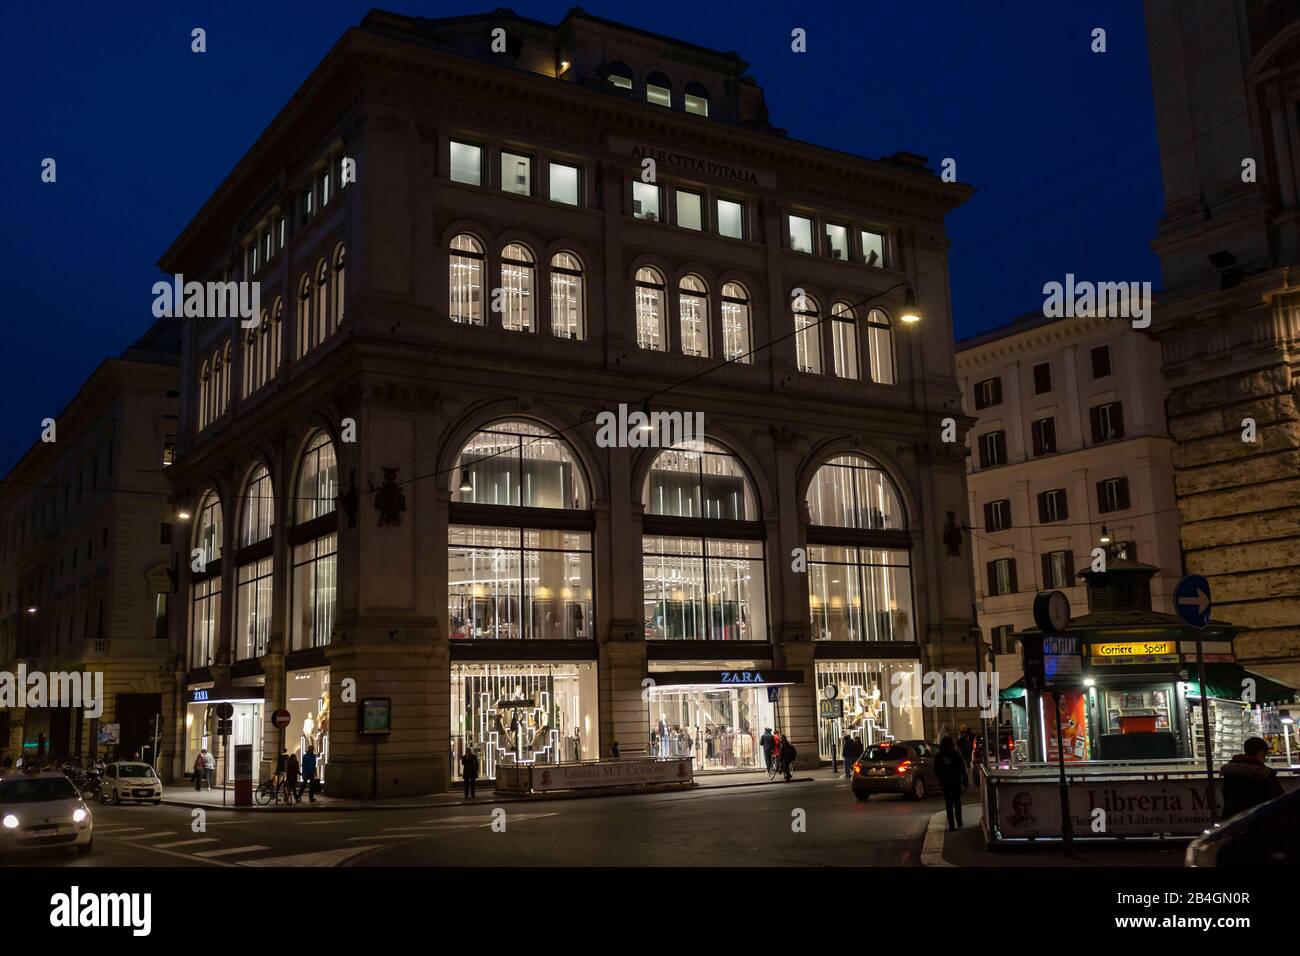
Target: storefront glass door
{"type": "Point", "coordinates": [719, 726]}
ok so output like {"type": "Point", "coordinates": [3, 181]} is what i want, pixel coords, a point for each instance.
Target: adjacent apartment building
{"type": "Point", "coordinates": [86, 558]}
{"type": "Point", "coordinates": [408, 529]}
{"type": "Point", "coordinates": [1069, 445]}
{"type": "Point", "coordinates": [1226, 78]}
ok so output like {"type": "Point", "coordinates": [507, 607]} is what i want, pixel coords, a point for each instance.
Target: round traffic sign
{"type": "Point", "coordinates": [281, 719]}
{"type": "Point", "coordinates": [1192, 601]}
{"type": "Point", "coordinates": [225, 710]}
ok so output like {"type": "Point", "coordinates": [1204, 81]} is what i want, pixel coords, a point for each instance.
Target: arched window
{"type": "Point", "coordinates": [651, 332]}
{"type": "Point", "coordinates": [205, 384]}
{"type": "Point", "coordinates": [315, 561]}
{"type": "Point", "coordinates": [303, 344]}
{"type": "Point", "coordinates": [226, 374]}
{"type": "Point", "coordinates": [693, 306]}
{"type": "Point", "coordinates": [205, 582]}
{"type": "Point", "coordinates": [340, 268]}
{"type": "Point", "coordinates": [696, 99]}
{"type": "Point", "coordinates": [465, 276]}
{"type": "Point", "coordinates": [567, 319]}
{"type": "Point", "coordinates": [735, 323]}
{"type": "Point", "coordinates": [859, 566]}
{"type": "Point", "coordinates": [512, 574]}
{"type": "Point", "coordinates": [259, 508]}
{"type": "Point", "coordinates": [702, 550]}
{"type": "Point", "coordinates": [253, 571]}
{"type": "Point", "coordinates": [275, 334]}
{"type": "Point", "coordinates": [517, 273]}
{"type": "Point", "coordinates": [844, 341]}
{"type": "Point", "coordinates": [619, 75]}
{"type": "Point", "coordinates": [880, 347]}
{"type": "Point", "coordinates": [658, 89]}
{"type": "Point", "coordinates": [254, 359]}
{"type": "Point", "coordinates": [320, 304]}
{"type": "Point", "coordinates": [808, 334]}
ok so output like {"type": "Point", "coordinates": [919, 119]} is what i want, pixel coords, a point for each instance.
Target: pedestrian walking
{"type": "Point", "coordinates": [1247, 779]}
{"type": "Point", "coordinates": [768, 744]}
{"type": "Point", "coordinates": [950, 768]}
{"type": "Point", "coordinates": [846, 750]}
{"type": "Point", "coordinates": [291, 770]}
{"type": "Point", "coordinates": [469, 771]}
{"type": "Point", "coordinates": [200, 770]}
{"type": "Point", "coordinates": [965, 746]}
{"type": "Point", "coordinates": [308, 775]}
{"type": "Point", "coordinates": [788, 753]}
{"type": "Point", "coordinates": [210, 769]}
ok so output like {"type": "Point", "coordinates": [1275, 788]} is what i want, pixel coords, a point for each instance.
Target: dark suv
{"type": "Point", "coordinates": [901, 766]}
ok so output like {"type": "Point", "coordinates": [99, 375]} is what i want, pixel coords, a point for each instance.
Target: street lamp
{"type": "Point", "coordinates": [465, 485]}
{"type": "Point", "coordinates": [1105, 535]}
{"type": "Point", "coordinates": [645, 426]}
{"type": "Point", "coordinates": [182, 515]}
{"type": "Point", "coordinates": [910, 312]}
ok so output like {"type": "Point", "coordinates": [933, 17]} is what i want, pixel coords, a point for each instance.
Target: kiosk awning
{"type": "Point", "coordinates": [1224, 681]}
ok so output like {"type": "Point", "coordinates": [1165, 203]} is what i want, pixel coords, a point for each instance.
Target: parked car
{"type": "Point", "coordinates": [900, 766]}
{"type": "Point", "coordinates": [39, 810]}
{"type": "Point", "coordinates": [130, 780]}
{"type": "Point", "coordinates": [1266, 835]}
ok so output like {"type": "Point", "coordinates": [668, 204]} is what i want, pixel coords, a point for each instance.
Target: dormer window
{"type": "Point", "coordinates": [658, 90]}
{"type": "Point", "coordinates": [696, 99]}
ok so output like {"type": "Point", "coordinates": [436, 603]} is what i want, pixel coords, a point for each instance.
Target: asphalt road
{"type": "Point", "coordinates": [798, 824]}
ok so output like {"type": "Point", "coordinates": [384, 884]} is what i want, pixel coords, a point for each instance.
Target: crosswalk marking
{"type": "Point", "coordinates": [380, 836]}
{"type": "Point", "coordinates": [115, 830]}
{"type": "Point", "coordinates": [230, 851]}
{"type": "Point", "coordinates": [321, 858]}
{"type": "Point", "coordinates": [174, 843]}
{"type": "Point", "coordinates": [146, 836]}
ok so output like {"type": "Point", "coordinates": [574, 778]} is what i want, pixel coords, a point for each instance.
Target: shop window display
{"type": "Point", "coordinates": [308, 704]}
{"type": "Point", "coordinates": [872, 712]}
{"type": "Point", "coordinates": [518, 714]}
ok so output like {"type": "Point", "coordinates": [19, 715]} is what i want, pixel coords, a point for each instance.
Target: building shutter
{"type": "Point", "coordinates": [1094, 414]}
{"type": "Point", "coordinates": [988, 517]}
{"type": "Point", "coordinates": [992, 568]}
{"type": "Point", "coordinates": [1047, 571]}
{"type": "Point", "coordinates": [1069, 569]}
{"type": "Point", "coordinates": [1063, 505]}
{"type": "Point", "coordinates": [1122, 494]}
{"type": "Point", "coordinates": [1042, 507]}
{"type": "Point", "coordinates": [1117, 420]}
{"type": "Point", "coordinates": [1011, 573]}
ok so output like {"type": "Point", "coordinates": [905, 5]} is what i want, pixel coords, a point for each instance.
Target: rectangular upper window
{"type": "Point", "coordinates": [698, 105]}
{"type": "Point", "coordinates": [873, 248]}
{"type": "Point", "coordinates": [801, 233]}
{"type": "Point", "coordinates": [1052, 506]}
{"type": "Point", "coordinates": [731, 219]}
{"type": "Point", "coordinates": [516, 174]}
{"type": "Point", "coordinates": [1044, 432]}
{"type": "Point", "coordinates": [1101, 361]}
{"type": "Point", "coordinates": [993, 449]}
{"type": "Point", "coordinates": [1058, 569]}
{"type": "Point", "coordinates": [1042, 378]}
{"type": "Point", "coordinates": [837, 241]}
{"type": "Point", "coordinates": [1112, 495]}
{"type": "Point", "coordinates": [997, 515]}
{"type": "Point", "coordinates": [1002, 576]}
{"type": "Point", "coordinates": [564, 184]}
{"type": "Point", "coordinates": [1107, 422]}
{"type": "Point", "coordinates": [645, 201]}
{"type": "Point", "coordinates": [466, 163]}
{"type": "Point", "coordinates": [988, 393]}
{"type": "Point", "coordinates": [690, 210]}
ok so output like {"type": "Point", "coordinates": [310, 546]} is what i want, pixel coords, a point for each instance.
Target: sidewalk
{"type": "Point", "coordinates": [965, 847]}
{"type": "Point", "coordinates": [184, 795]}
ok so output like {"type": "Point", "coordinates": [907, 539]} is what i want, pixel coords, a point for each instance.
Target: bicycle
{"type": "Point", "coordinates": [269, 790]}
{"type": "Point", "coordinates": [777, 769]}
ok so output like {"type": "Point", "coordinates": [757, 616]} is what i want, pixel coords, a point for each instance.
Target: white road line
{"type": "Point", "coordinates": [115, 830]}
{"type": "Point", "coordinates": [145, 836]}
{"type": "Point", "coordinates": [175, 843]}
{"type": "Point", "coordinates": [318, 823]}
{"type": "Point", "coordinates": [231, 851]}
{"type": "Point", "coordinates": [321, 858]}
{"type": "Point", "coordinates": [380, 836]}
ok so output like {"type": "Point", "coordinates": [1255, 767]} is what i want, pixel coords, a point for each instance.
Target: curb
{"type": "Point", "coordinates": [478, 802]}
{"type": "Point", "coordinates": [936, 832]}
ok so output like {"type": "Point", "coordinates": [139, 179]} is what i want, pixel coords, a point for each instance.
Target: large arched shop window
{"type": "Point", "coordinates": [567, 318]}
{"type": "Point", "coordinates": [702, 550]}
{"type": "Point", "coordinates": [693, 309]}
{"type": "Point", "coordinates": [205, 582]}
{"type": "Point", "coordinates": [465, 280]}
{"type": "Point", "coordinates": [735, 323]}
{"type": "Point", "coordinates": [518, 274]}
{"type": "Point", "coordinates": [519, 544]}
{"type": "Point", "coordinates": [315, 546]}
{"type": "Point", "coordinates": [651, 315]}
{"type": "Point", "coordinates": [880, 347]}
{"type": "Point", "coordinates": [859, 566]}
{"type": "Point", "coordinates": [253, 566]}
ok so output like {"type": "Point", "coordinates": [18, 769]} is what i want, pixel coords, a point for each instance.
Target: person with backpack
{"type": "Point", "coordinates": [950, 768]}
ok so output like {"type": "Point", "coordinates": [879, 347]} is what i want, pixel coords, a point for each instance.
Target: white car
{"type": "Point", "coordinates": [43, 810]}
{"type": "Point", "coordinates": [130, 780]}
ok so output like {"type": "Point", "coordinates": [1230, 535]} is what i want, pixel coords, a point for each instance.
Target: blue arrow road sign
{"type": "Point", "coordinates": [1192, 601]}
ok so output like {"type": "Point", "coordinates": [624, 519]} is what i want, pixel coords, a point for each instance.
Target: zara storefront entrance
{"type": "Point", "coordinates": [201, 726]}
{"type": "Point", "coordinates": [716, 715]}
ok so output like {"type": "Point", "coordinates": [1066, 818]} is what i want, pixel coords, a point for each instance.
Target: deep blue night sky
{"type": "Point", "coordinates": [1059, 141]}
